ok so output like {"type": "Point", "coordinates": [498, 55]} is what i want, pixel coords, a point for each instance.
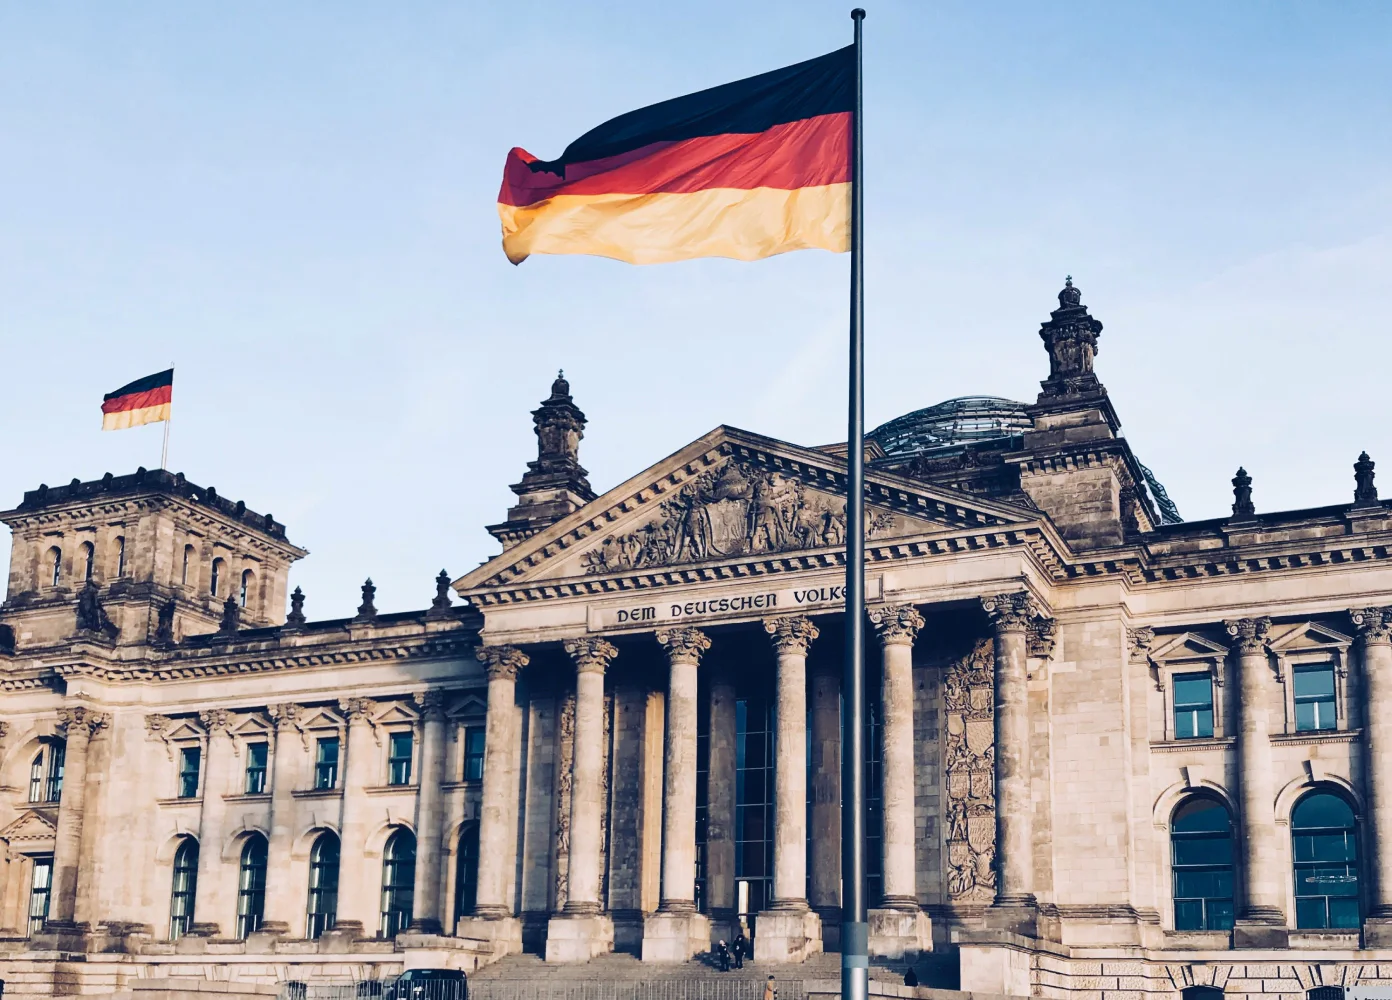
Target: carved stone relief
{"type": "Point", "coordinates": [970, 765]}
{"type": "Point", "coordinates": [565, 744]}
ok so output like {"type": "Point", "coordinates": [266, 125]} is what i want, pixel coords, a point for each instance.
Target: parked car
{"type": "Point", "coordinates": [428, 984]}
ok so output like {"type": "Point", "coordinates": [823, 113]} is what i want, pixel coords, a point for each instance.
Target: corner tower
{"type": "Point", "coordinates": [140, 558]}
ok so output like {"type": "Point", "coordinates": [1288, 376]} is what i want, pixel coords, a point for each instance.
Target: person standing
{"type": "Point", "coordinates": [770, 991]}
{"type": "Point", "coordinates": [741, 948]}
{"type": "Point", "coordinates": [722, 956]}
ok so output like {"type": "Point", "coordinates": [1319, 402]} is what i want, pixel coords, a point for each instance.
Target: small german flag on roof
{"type": "Point", "coordinates": [144, 401]}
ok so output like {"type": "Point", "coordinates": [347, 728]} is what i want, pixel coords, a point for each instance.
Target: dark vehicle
{"type": "Point", "coordinates": [428, 984]}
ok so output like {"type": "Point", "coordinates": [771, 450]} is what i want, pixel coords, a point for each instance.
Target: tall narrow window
{"type": "Point", "coordinates": [120, 555]}
{"type": "Point", "coordinates": [399, 759]}
{"type": "Point", "coordinates": [1325, 845]}
{"type": "Point", "coordinates": [246, 586]}
{"type": "Point", "coordinates": [89, 560]}
{"type": "Point", "coordinates": [323, 886]}
{"type": "Point", "coordinates": [55, 562]}
{"type": "Point", "coordinates": [466, 872]}
{"type": "Point", "coordinates": [57, 759]}
{"type": "Point", "coordinates": [190, 759]}
{"type": "Point", "coordinates": [184, 889]}
{"type": "Point", "coordinates": [398, 883]}
{"type": "Point", "coordinates": [753, 805]}
{"type": "Point", "coordinates": [1202, 863]}
{"type": "Point", "coordinates": [326, 763]}
{"type": "Point", "coordinates": [256, 768]}
{"type": "Point", "coordinates": [188, 558]}
{"type": "Point", "coordinates": [1193, 706]}
{"type": "Point", "coordinates": [251, 886]}
{"type": "Point", "coordinates": [215, 578]}
{"type": "Point", "coordinates": [1314, 697]}
{"type": "Point", "coordinates": [40, 888]}
{"type": "Point", "coordinates": [36, 778]}
{"type": "Point", "coordinates": [473, 753]}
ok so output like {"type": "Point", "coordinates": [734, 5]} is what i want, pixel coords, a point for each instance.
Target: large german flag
{"type": "Point", "coordinates": [745, 170]}
{"type": "Point", "coordinates": [144, 401]}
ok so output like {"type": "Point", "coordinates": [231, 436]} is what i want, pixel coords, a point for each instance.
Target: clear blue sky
{"type": "Point", "coordinates": [295, 203]}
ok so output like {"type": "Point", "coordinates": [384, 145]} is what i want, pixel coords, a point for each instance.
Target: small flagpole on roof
{"type": "Point", "coordinates": [164, 452]}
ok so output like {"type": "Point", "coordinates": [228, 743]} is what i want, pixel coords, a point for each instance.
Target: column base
{"type": "Point", "coordinates": [898, 933]}
{"type": "Point", "coordinates": [341, 937]}
{"type": "Point", "coordinates": [574, 938]}
{"type": "Point", "coordinates": [831, 926]}
{"type": "Point", "coordinates": [1018, 915]}
{"type": "Point", "coordinates": [675, 937]}
{"type": "Point", "coordinates": [504, 934]}
{"type": "Point", "coordinates": [1260, 933]}
{"type": "Point", "coordinates": [787, 935]}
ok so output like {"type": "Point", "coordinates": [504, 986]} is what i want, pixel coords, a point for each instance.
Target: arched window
{"type": "Point", "coordinates": [184, 889]}
{"type": "Point", "coordinates": [1201, 993]}
{"type": "Point", "coordinates": [1325, 837]}
{"type": "Point", "coordinates": [323, 886]}
{"type": "Point", "coordinates": [398, 883]}
{"type": "Point", "coordinates": [1201, 845]}
{"type": "Point", "coordinates": [120, 555]}
{"type": "Point", "coordinates": [217, 575]}
{"type": "Point", "coordinates": [89, 560]}
{"type": "Point", "coordinates": [46, 772]}
{"type": "Point", "coordinates": [251, 886]}
{"type": "Point", "coordinates": [246, 587]}
{"type": "Point", "coordinates": [55, 562]}
{"type": "Point", "coordinates": [466, 871]}
{"type": "Point", "coordinates": [188, 558]}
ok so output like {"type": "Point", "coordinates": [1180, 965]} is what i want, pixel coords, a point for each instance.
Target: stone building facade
{"type": "Point", "coordinates": [1112, 753]}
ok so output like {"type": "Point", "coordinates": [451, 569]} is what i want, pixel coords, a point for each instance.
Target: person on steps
{"type": "Point", "coordinates": [770, 991]}
{"type": "Point", "coordinates": [911, 977]}
{"type": "Point", "coordinates": [741, 948]}
{"type": "Point", "coordinates": [722, 956]}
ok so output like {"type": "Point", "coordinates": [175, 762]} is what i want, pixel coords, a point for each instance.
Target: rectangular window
{"type": "Point", "coordinates": [1193, 706]}
{"type": "Point", "coordinates": [41, 888]}
{"type": "Point", "coordinates": [256, 768]}
{"type": "Point", "coordinates": [326, 763]}
{"type": "Point", "coordinates": [473, 753]}
{"type": "Point", "coordinates": [189, 760]}
{"type": "Point", "coordinates": [399, 759]}
{"type": "Point", "coordinates": [1314, 697]}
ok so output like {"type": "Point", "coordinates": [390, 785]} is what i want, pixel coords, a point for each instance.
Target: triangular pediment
{"type": "Point", "coordinates": [321, 717]}
{"type": "Point", "coordinates": [732, 496]}
{"type": "Point", "coordinates": [395, 713]}
{"type": "Point", "coordinates": [32, 826]}
{"type": "Point", "coordinates": [184, 729]}
{"type": "Point", "coordinates": [1188, 646]}
{"type": "Point", "coordinates": [469, 706]}
{"type": "Point", "coordinates": [253, 726]}
{"type": "Point", "coordinates": [1310, 635]}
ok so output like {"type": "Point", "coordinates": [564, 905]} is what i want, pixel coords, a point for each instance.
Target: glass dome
{"type": "Point", "coordinates": [957, 421]}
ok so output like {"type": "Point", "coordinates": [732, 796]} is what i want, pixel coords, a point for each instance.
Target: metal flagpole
{"type": "Point", "coordinates": [855, 931]}
{"type": "Point", "coordinates": [164, 452]}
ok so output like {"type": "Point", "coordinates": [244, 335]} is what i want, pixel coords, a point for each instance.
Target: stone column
{"type": "Point", "coordinates": [825, 889]}
{"type": "Point", "coordinates": [788, 931]}
{"type": "Point", "coordinates": [80, 725]}
{"type": "Point", "coordinates": [429, 872]}
{"type": "Point", "coordinates": [1261, 920]}
{"type": "Point", "coordinates": [357, 883]}
{"type": "Point", "coordinates": [493, 918]}
{"type": "Point", "coordinates": [720, 807]}
{"type": "Point", "coordinates": [1374, 627]}
{"type": "Point", "coordinates": [212, 904]}
{"type": "Point", "coordinates": [581, 931]}
{"type": "Point", "coordinates": [289, 749]}
{"type": "Point", "coordinates": [1010, 616]}
{"type": "Point", "coordinates": [898, 927]}
{"type": "Point", "coordinates": [676, 931]}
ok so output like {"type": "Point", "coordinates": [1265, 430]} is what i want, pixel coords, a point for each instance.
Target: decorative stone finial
{"type": "Point", "coordinates": [296, 618]}
{"type": "Point", "coordinates": [231, 617]}
{"type": "Point", "coordinates": [1242, 495]}
{"type": "Point", "coordinates": [367, 610]}
{"type": "Point", "coordinates": [442, 598]}
{"type": "Point", "coordinates": [1070, 337]}
{"type": "Point", "coordinates": [1363, 490]}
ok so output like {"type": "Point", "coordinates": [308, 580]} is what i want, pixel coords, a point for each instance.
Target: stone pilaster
{"type": "Point", "coordinates": [493, 918]}
{"type": "Point", "coordinates": [212, 904]}
{"type": "Point", "coordinates": [898, 927]}
{"type": "Point", "coordinates": [1261, 919]}
{"type": "Point", "coordinates": [788, 931]}
{"type": "Point", "coordinates": [720, 807]}
{"type": "Point", "coordinates": [1011, 615]}
{"type": "Point", "coordinates": [357, 886]}
{"type": "Point", "coordinates": [289, 751]}
{"type": "Point", "coordinates": [1374, 627]}
{"type": "Point", "coordinates": [429, 872]}
{"type": "Point", "coordinates": [80, 725]}
{"type": "Point", "coordinates": [581, 931]}
{"type": "Point", "coordinates": [676, 931]}
{"type": "Point", "coordinates": [824, 890]}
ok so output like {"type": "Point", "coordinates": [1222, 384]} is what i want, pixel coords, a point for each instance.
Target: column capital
{"type": "Point", "coordinates": [356, 709]}
{"type": "Point", "coordinates": [684, 643]}
{"type": "Point", "coordinates": [1011, 612]}
{"type": "Point", "coordinates": [590, 654]}
{"type": "Point", "coordinates": [502, 662]}
{"type": "Point", "coordinates": [896, 623]}
{"type": "Point", "coordinates": [285, 716]}
{"type": "Point", "coordinates": [1041, 635]}
{"type": "Point", "coordinates": [1248, 634]}
{"type": "Point", "coordinates": [791, 633]}
{"type": "Point", "coordinates": [1138, 642]}
{"type": "Point", "coordinates": [1374, 625]}
{"type": "Point", "coordinates": [216, 720]}
{"type": "Point", "coordinates": [431, 703]}
{"type": "Point", "coordinates": [82, 722]}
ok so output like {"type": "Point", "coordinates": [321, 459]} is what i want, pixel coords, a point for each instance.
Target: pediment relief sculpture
{"type": "Point", "coordinates": [736, 510]}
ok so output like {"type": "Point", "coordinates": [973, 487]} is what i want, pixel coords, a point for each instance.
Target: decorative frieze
{"type": "Point", "coordinates": [970, 765]}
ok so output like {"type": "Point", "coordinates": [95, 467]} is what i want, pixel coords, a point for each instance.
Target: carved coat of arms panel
{"type": "Point", "coordinates": [970, 760]}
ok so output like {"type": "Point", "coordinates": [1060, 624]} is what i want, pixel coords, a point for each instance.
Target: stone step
{"type": "Point", "coordinates": [622, 968]}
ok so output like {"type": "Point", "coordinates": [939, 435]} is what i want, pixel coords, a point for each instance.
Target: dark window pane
{"type": "Point", "coordinates": [1314, 682]}
{"type": "Point", "coordinates": [1220, 914]}
{"type": "Point", "coordinates": [1203, 851]}
{"type": "Point", "coordinates": [1322, 810]}
{"type": "Point", "coordinates": [1201, 815]}
{"type": "Point", "coordinates": [1310, 912]}
{"type": "Point", "coordinates": [1343, 913]}
{"type": "Point", "coordinates": [1193, 690]}
{"type": "Point", "coordinates": [1188, 914]}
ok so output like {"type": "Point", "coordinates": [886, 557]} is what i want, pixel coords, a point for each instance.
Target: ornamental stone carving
{"type": "Point", "coordinates": [1070, 337]}
{"type": "Point", "coordinates": [285, 716]}
{"type": "Point", "coordinates": [502, 662]}
{"type": "Point", "coordinates": [896, 624]}
{"type": "Point", "coordinates": [1011, 612]}
{"type": "Point", "coordinates": [736, 510]}
{"type": "Point", "coordinates": [791, 633]}
{"type": "Point", "coordinates": [215, 720]}
{"type": "Point", "coordinates": [1248, 634]}
{"type": "Point", "coordinates": [431, 703]}
{"type": "Point", "coordinates": [1374, 625]}
{"type": "Point", "coordinates": [684, 643]}
{"type": "Point", "coordinates": [970, 765]}
{"type": "Point", "coordinates": [357, 709]}
{"type": "Point", "coordinates": [565, 779]}
{"type": "Point", "coordinates": [1138, 641]}
{"type": "Point", "coordinates": [590, 654]}
{"type": "Point", "coordinates": [1041, 634]}
{"type": "Point", "coordinates": [80, 721]}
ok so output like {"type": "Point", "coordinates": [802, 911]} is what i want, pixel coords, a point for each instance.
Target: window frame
{"type": "Point", "coordinates": [466, 864]}
{"type": "Point", "coordinates": [35, 922]}
{"type": "Point", "coordinates": [262, 769]}
{"type": "Point", "coordinates": [1190, 708]}
{"type": "Point", "coordinates": [189, 751]}
{"type": "Point", "coordinates": [183, 892]}
{"type": "Point", "coordinates": [1354, 835]}
{"type": "Point", "coordinates": [55, 553]}
{"type": "Point", "coordinates": [248, 579]}
{"type": "Point", "coordinates": [1332, 699]}
{"type": "Point", "coordinates": [1315, 644]}
{"type": "Point", "coordinates": [46, 779]}
{"type": "Point", "coordinates": [1214, 664]}
{"type": "Point", "coordinates": [120, 555]}
{"type": "Point", "coordinates": [215, 575]}
{"type": "Point", "coordinates": [89, 561]}
{"type": "Point", "coordinates": [467, 732]}
{"type": "Point", "coordinates": [251, 899]}
{"type": "Point", "coordinates": [392, 760]}
{"type": "Point", "coordinates": [1175, 869]}
{"type": "Point", "coordinates": [319, 918]}
{"type": "Point", "coordinates": [393, 919]}
{"type": "Point", "coordinates": [331, 768]}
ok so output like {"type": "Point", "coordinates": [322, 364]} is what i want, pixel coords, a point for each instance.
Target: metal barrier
{"type": "Point", "coordinates": [504, 989]}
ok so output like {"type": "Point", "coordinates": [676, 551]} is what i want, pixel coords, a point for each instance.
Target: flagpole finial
{"type": "Point", "coordinates": [858, 14]}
